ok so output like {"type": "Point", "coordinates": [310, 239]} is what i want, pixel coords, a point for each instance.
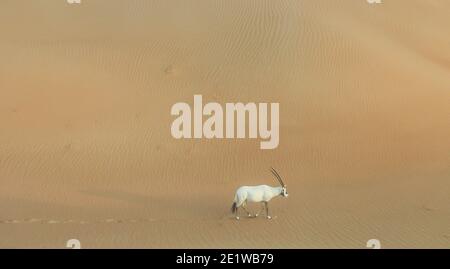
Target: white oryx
{"type": "Point", "coordinates": [259, 194]}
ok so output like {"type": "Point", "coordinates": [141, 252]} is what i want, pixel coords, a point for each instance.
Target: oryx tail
{"type": "Point", "coordinates": [234, 208]}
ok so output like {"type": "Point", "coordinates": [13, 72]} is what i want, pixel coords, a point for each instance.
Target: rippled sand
{"type": "Point", "coordinates": [85, 144]}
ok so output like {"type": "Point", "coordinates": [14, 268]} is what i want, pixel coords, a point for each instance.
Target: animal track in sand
{"type": "Point", "coordinates": [70, 221]}
{"type": "Point", "coordinates": [169, 70]}
{"type": "Point", "coordinates": [105, 221]}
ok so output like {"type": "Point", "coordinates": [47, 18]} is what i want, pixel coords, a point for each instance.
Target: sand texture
{"type": "Point", "coordinates": [86, 150]}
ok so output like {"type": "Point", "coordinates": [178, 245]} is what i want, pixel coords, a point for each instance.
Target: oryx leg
{"type": "Point", "coordinates": [260, 210]}
{"type": "Point", "coordinates": [244, 206]}
{"type": "Point", "coordinates": [267, 210]}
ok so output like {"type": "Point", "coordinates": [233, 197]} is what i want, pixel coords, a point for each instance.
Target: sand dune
{"type": "Point", "coordinates": [85, 144]}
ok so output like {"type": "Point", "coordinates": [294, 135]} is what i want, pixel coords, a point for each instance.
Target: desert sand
{"type": "Point", "coordinates": [86, 150]}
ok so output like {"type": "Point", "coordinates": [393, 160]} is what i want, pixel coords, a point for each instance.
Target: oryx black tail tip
{"type": "Point", "coordinates": [234, 208]}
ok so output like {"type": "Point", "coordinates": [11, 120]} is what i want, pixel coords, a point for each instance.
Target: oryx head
{"type": "Point", "coordinates": [283, 187]}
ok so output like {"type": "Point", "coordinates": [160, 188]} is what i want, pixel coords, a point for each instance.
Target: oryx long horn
{"type": "Point", "coordinates": [275, 173]}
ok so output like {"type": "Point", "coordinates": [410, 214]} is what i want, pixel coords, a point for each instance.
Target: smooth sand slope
{"type": "Point", "coordinates": [85, 144]}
